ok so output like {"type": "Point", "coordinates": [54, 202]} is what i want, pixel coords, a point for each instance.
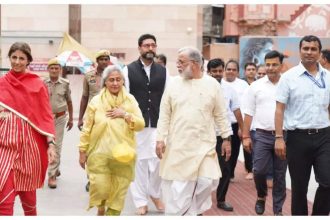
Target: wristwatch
{"type": "Point", "coordinates": [227, 138]}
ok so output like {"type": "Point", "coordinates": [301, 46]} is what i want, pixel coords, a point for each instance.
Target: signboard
{"type": "Point", "coordinates": [38, 67]}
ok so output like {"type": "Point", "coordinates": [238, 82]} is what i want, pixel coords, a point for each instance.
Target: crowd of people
{"type": "Point", "coordinates": [171, 139]}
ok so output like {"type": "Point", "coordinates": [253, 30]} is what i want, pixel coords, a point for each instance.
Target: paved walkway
{"type": "Point", "coordinates": [70, 197]}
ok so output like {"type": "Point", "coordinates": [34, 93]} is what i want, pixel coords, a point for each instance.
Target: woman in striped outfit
{"type": "Point", "coordinates": [26, 133]}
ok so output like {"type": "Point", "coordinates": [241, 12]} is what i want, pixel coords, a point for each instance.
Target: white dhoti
{"type": "Point", "coordinates": [188, 197]}
{"type": "Point", "coordinates": [147, 180]}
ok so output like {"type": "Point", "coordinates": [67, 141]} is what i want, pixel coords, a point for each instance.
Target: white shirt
{"type": "Point", "coordinates": [306, 104]}
{"type": "Point", "coordinates": [239, 86]}
{"type": "Point", "coordinates": [231, 100]}
{"type": "Point", "coordinates": [261, 103]}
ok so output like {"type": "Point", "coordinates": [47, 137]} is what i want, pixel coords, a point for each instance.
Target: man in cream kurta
{"type": "Point", "coordinates": [191, 107]}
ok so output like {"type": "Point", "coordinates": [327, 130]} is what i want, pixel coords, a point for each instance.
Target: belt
{"type": "Point", "coordinates": [265, 131]}
{"type": "Point", "coordinates": [310, 131]}
{"type": "Point", "coordinates": [59, 114]}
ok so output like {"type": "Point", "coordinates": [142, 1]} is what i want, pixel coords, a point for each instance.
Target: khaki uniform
{"type": "Point", "coordinates": [59, 95]}
{"type": "Point", "coordinates": [92, 85]}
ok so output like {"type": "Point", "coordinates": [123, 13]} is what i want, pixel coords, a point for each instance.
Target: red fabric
{"type": "Point", "coordinates": [27, 94]}
{"type": "Point", "coordinates": [7, 199]}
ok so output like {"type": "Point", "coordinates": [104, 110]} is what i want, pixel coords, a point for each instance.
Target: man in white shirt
{"type": "Point", "coordinates": [239, 85]}
{"type": "Point", "coordinates": [191, 108]}
{"type": "Point", "coordinates": [302, 107]}
{"type": "Point", "coordinates": [215, 68]}
{"type": "Point", "coordinates": [325, 59]}
{"type": "Point", "coordinates": [260, 107]}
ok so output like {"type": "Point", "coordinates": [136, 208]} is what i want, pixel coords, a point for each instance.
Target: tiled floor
{"type": "Point", "coordinates": [242, 196]}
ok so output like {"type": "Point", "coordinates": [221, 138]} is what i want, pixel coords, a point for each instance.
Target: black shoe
{"type": "Point", "coordinates": [260, 206]}
{"type": "Point", "coordinates": [278, 214]}
{"type": "Point", "coordinates": [87, 187]}
{"type": "Point", "coordinates": [225, 206]}
{"type": "Point", "coordinates": [200, 214]}
{"type": "Point", "coordinates": [58, 173]}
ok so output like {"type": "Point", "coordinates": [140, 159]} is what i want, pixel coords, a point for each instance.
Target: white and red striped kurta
{"type": "Point", "coordinates": [20, 153]}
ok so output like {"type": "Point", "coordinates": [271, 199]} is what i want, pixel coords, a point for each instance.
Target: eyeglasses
{"type": "Point", "coordinates": [180, 62]}
{"type": "Point", "coordinates": [149, 45]}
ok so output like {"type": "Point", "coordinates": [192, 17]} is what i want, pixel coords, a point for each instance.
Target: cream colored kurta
{"type": "Point", "coordinates": [189, 112]}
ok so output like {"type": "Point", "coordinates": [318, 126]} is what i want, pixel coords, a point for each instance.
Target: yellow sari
{"type": "Point", "coordinates": [100, 137]}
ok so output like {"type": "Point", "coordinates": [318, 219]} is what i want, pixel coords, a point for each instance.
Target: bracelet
{"type": "Point", "coordinates": [247, 137]}
{"type": "Point", "coordinates": [278, 136]}
{"type": "Point", "coordinates": [51, 142]}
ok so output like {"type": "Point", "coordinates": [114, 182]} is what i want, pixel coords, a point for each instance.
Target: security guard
{"type": "Point", "coordinates": [92, 85]}
{"type": "Point", "coordinates": [61, 102]}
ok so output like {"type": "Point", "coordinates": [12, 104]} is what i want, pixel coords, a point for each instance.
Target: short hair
{"type": "Point", "coordinates": [326, 54]}
{"type": "Point", "coordinates": [214, 63]}
{"type": "Point", "coordinates": [22, 46]}
{"type": "Point", "coordinates": [108, 70]}
{"type": "Point", "coordinates": [144, 37]}
{"type": "Point", "coordinates": [274, 54]}
{"type": "Point", "coordinates": [232, 61]}
{"type": "Point", "coordinates": [250, 64]}
{"type": "Point", "coordinates": [310, 38]}
{"type": "Point", "coordinates": [193, 53]}
{"type": "Point", "coordinates": [261, 65]}
{"type": "Point", "coordinates": [162, 57]}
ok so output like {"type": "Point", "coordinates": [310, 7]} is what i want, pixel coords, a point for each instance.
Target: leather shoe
{"type": "Point", "coordinates": [260, 206]}
{"type": "Point", "coordinates": [225, 206]}
{"type": "Point", "coordinates": [52, 182]}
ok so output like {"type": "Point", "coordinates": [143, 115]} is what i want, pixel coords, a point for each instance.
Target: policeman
{"type": "Point", "coordinates": [61, 102]}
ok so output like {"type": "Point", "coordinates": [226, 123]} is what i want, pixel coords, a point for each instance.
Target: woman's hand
{"type": "Point", "coordinates": [51, 153]}
{"type": "Point", "coordinates": [82, 159]}
{"type": "Point", "coordinates": [116, 113]}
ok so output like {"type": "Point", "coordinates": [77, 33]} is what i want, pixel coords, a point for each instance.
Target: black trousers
{"type": "Point", "coordinates": [248, 161]}
{"type": "Point", "coordinates": [305, 151]}
{"type": "Point", "coordinates": [225, 170]}
{"type": "Point", "coordinates": [235, 145]}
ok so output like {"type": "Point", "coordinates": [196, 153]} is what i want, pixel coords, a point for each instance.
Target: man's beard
{"type": "Point", "coordinates": [187, 73]}
{"type": "Point", "coordinates": [149, 55]}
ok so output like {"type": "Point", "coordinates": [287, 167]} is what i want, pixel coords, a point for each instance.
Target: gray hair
{"type": "Point", "coordinates": [193, 54]}
{"type": "Point", "coordinates": [110, 69]}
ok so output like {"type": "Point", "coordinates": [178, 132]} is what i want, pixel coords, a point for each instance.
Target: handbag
{"type": "Point", "coordinates": [123, 153]}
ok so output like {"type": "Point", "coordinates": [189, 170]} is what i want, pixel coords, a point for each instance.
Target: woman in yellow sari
{"type": "Point", "coordinates": [107, 143]}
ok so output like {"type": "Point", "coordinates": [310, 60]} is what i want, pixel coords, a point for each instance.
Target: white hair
{"type": "Point", "coordinates": [110, 69]}
{"type": "Point", "coordinates": [193, 54]}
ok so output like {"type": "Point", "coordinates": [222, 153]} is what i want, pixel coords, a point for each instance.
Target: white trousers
{"type": "Point", "coordinates": [188, 197]}
{"type": "Point", "coordinates": [147, 181]}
